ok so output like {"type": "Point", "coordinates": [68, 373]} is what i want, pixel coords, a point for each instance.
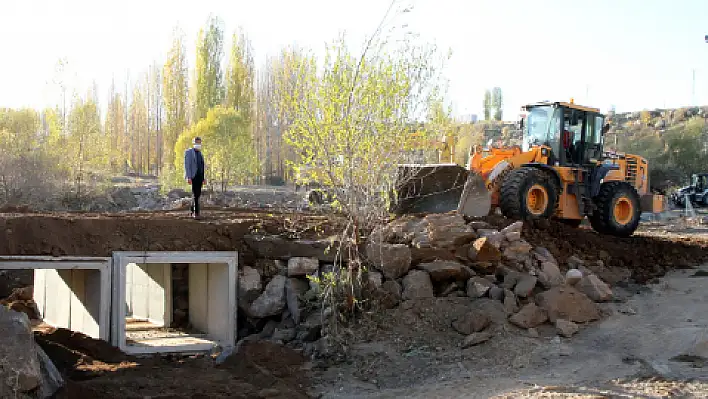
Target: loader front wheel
{"type": "Point", "coordinates": [618, 210]}
{"type": "Point", "coordinates": [528, 193]}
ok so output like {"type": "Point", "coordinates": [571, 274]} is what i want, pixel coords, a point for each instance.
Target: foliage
{"type": "Point", "coordinates": [487, 105]}
{"type": "Point", "coordinates": [209, 86]}
{"type": "Point", "coordinates": [175, 95]}
{"type": "Point", "coordinates": [239, 77]}
{"type": "Point", "coordinates": [497, 103]}
{"type": "Point", "coordinates": [228, 148]}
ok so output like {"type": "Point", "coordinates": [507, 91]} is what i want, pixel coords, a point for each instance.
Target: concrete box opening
{"type": "Point", "coordinates": [174, 301]}
{"type": "Point", "coordinates": [70, 292]}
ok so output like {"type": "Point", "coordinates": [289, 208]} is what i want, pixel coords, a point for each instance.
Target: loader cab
{"type": "Point", "coordinates": [574, 133]}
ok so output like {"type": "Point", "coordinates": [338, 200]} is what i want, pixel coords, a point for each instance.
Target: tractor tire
{"type": "Point", "coordinates": [618, 210]}
{"type": "Point", "coordinates": [528, 193]}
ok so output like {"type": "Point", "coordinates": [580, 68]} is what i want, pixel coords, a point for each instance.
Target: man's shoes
{"type": "Point", "coordinates": [197, 217]}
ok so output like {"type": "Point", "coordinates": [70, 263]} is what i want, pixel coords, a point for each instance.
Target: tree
{"type": "Point", "coordinates": [497, 103]}
{"type": "Point", "coordinates": [88, 149]}
{"type": "Point", "coordinates": [115, 130]}
{"type": "Point", "coordinates": [684, 145]}
{"type": "Point", "coordinates": [240, 76]}
{"type": "Point", "coordinates": [175, 95]}
{"type": "Point", "coordinates": [487, 105]}
{"type": "Point", "coordinates": [209, 87]}
{"type": "Point", "coordinates": [138, 127]}
{"type": "Point", "coordinates": [350, 120]}
{"type": "Point", "coordinates": [228, 147]}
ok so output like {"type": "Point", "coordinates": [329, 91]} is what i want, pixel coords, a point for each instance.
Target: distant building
{"type": "Point", "coordinates": [467, 118]}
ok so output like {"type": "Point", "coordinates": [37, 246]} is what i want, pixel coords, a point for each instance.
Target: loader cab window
{"type": "Point", "coordinates": [593, 137]}
{"type": "Point", "coordinates": [572, 146]}
{"type": "Point", "coordinates": [541, 128]}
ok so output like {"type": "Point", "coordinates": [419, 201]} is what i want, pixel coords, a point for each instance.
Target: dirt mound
{"type": "Point", "coordinates": [647, 256]}
{"type": "Point", "coordinates": [260, 369]}
{"type": "Point", "coordinates": [101, 234]}
{"type": "Point", "coordinates": [79, 356]}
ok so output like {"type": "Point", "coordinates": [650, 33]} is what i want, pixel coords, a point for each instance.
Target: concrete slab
{"type": "Point", "coordinates": [71, 292]}
{"type": "Point", "coordinates": [142, 291]}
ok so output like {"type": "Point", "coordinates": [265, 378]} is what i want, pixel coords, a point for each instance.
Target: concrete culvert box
{"type": "Point", "coordinates": [174, 301]}
{"type": "Point", "coordinates": [70, 292]}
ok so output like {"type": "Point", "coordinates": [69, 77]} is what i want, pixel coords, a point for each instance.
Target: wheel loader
{"type": "Point", "coordinates": [561, 171]}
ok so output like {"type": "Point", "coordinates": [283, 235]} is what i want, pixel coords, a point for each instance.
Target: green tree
{"type": "Point", "coordinates": [228, 147]}
{"type": "Point", "coordinates": [209, 87]}
{"type": "Point", "coordinates": [240, 77]}
{"type": "Point", "coordinates": [115, 130]}
{"type": "Point", "coordinates": [175, 95]}
{"type": "Point", "coordinates": [487, 105]}
{"type": "Point", "coordinates": [497, 103]}
{"type": "Point", "coordinates": [88, 152]}
{"type": "Point", "coordinates": [685, 149]}
{"type": "Point", "coordinates": [350, 120]}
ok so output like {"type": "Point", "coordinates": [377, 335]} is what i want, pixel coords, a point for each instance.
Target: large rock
{"type": "Point", "coordinates": [274, 247]}
{"type": "Point", "coordinates": [390, 294]}
{"type": "Point", "coordinates": [484, 251]}
{"type": "Point", "coordinates": [525, 286]}
{"type": "Point", "coordinates": [550, 275]}
{"type": "Point", "coordinates": [573, 276]}
{"type": "Point", "coordinates": [374, 280]}
{"type": "Point", "coordinates": [448, 230]}
{"type": "Point", "coordinates": [568, 303]}
{"type": "Point", "coordinates": [515, 227]}
{"type": "Point", "coordinates": [530, 316]}
{"type": "Point", "coordinates": [511, 303]}
{"type": "Point", "coordinates": [417, 284]}
{"type": "Point", "coordinates": [300, 266]}
{"type": "Point", "coordinates": [249, 284]}
{"type": "Point", "coordinates": [441, 270]}
{"type": "Point", "coordinates": [478, 287]}
{"type": "Point", "coordinates": [517, 250]}
{"type": "Point", "coordinates": [594, 288]}
{"type": "Point", "coordinates": [291, 300]}
{"type": "Point", "coordinates": [393, 260]}
{"type": "Point", "coordinates": [272, 301]}
{"type": "Point", "coordinates": [270, 267]}
{"type": "Point", "coordinates": [494, 237]}
{"type": "Point", "coordinates": [471, 322]}
{"type": "Point", "coordinates": [52, 379]}
{"type": "Point", "coordinates": [20, 370]}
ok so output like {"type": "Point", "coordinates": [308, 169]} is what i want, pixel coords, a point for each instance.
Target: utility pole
{"type": "Point", "coordinates": [693, 89]}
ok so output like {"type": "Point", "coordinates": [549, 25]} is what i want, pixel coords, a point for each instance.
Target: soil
{"type": "Point", "coordinates": [647, 254]}
{"type": "Point", "coordinates": [86, 234]}
{"type": "Point", "coordinates": [93, 368]}
{"type": "Point", "coordinates": [652, 343]}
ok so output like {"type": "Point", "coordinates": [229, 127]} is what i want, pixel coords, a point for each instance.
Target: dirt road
{"type": "Point", "coordinates": [659, 331]}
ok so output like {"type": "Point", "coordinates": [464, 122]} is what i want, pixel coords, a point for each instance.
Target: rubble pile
{"type": "Point", "coordinates": [445, 256]}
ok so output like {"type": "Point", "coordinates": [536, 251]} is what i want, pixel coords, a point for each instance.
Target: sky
{"type": "Point", "coordinates": [630, 54]}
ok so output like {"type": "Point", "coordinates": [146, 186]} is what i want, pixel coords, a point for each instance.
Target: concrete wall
{"type": "Point", "coordinates": [70, 292]}
{"type": "Point", "coordinates": [209, 285]}
{"type": "Point", "coordinates": [142, 289]}
{"type": "Point", "coordinates": [70, 299]}
{"type": "Point", "coordinates": [148, 291]}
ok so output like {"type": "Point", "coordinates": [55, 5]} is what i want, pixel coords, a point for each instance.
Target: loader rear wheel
{"type": "Point", "coordinates": [528, 193]}
{"type": "Point", "coordinates": [618, 210]}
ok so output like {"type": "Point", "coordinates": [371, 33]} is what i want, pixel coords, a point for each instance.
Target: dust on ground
{"type": "Point", "coordinates": [652, 343]}
{"type": "Point", "coordinates": [93, 368]}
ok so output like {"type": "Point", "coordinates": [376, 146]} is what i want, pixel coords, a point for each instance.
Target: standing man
{"type": "Point", "coordinates": [194, 172]}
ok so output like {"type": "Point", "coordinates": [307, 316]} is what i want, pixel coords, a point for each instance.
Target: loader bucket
{"type": "Point", "coordinates": [440, 188]}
